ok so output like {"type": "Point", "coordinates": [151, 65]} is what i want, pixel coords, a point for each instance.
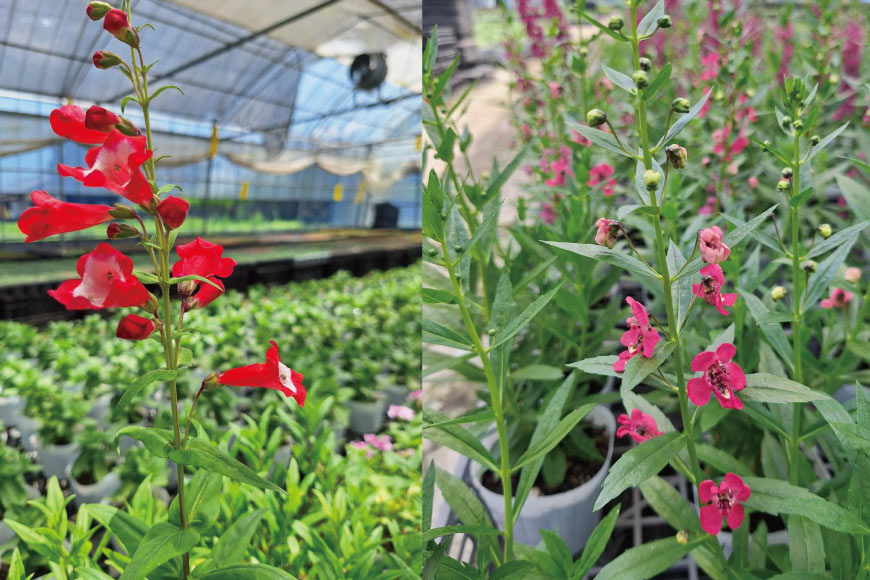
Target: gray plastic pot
{"type": "Point", "coordinates": [100, 409]}
{"type": "Point", "coordinates": [97, 492]}
{"type": "Point", "coordinates": [569, 513]}
{"type": "Point", "coordinates": [6, 533]}
{"type": "Point", "coordinates": [54, 459]}
{"type": "Point", "coordinates": [396, 394]}
{"type": "Point", "coordinates": [11, 410]}
{"type": "Point", "coordinates": [367, 416]}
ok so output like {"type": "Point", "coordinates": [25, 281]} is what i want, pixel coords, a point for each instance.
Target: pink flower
{"type": "Point", "coordinates": [382, 443]}
{"type": "Point", "coordinates": [713, 247]}
{"type": "Point", "coordinates": [608, 232]}
{"type": "Point", "coordinates": [364, 446]}
{"type": "Point", "coordinates": [580, 139]}
{"type": "Point", "coordinates": [548, 215]}
{"type": "Point", "coordinates": [852, 275]}
{"type": "Point", "coordinates": [598, 174]}
{"type": "Point", "coordinates": [640, 336]}
{"type": "Point", "coordinates": [721, 376]}
{"type": "Point", "coordinates": [724, 500]}
{"type": "Point", "coordinates": [415, 395]}
{"type": "Point", "coordinates": [555, 90]}
{"type": "Point", "coordinates": [639, 426]}
{"type": "Point", "coordinates": [839, 298]}
{"type": "Point", "coordinates": [400, 412]}
{"type": "Point", "coordinates": [752, 182]}
{"type": "Point", "coordinates": [711, 66]}
{"type": "Point", "coordinates": [709, 207]}
{"type": "Point", "coordinates": [712, 280]}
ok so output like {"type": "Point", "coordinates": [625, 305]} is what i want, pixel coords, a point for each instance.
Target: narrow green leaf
{"type": "Point", "coordinates": [684, 120]}
{"type": "Point", "coordinates": [640, 367]}
{"type": "Point", "coordinates": [649, 23]}
{"type": "Point", "coordinates": [161, 543]}
{"type": "Point", "coordinates": [805, 546]}
{"type": "Point", "coordinates": [514, 570]}
{"type": "Point", "coordinates": [553, 437]}
{"type": "Point", "coordinates": [827, 269]}
{"type": "Point", "coordinates": [152, 376]}
{"type": "Point", "coordinates": [146, 277]}
{"type": "Point", "coordinates": [837, 239]}
{"type": "Point", "coordinates": [604, 254]}
{"type": "Point", "coordinates": [826, 141]}
{"type": "Point", "coordinates": [857, 196]}
{"type": "Point", "coordinates": [669, 504]}
{"type": "Point", "coordinates": [127, 529]}
{"type": "Point", "coordinates": [801, 198]}
{"type": "Point", "coordinates": [248, 572]}
{"type": "Point", "coordinates": [205, 455]}
{"type": "Point", "coordinates": [638, 464]}
{"type": "Point", "coordinates": [158, 441]}
{"type": "Point", "coordinates": [433, 533]}
{"type": "Point", "coordinates": [525, 317]}
{"type": "Point", "coordinates": [459, 439]}
{"type": "Point", "coordinates": [596, 543]}
{"type": "Point", "coordinates": [600, 138]}
{"type": "Point", "coordinates": [765, 388]}
{"type": "Point", "coordinates": [435, 333]}
{"type": "Point", "coordinates": [537, 372]}
{"type": "Point", "coordinates": [597, 365]}
{"type": "Point", "coordinates": [619, 79]}
{"type": "Point", "coordinates": [194, 277]}
{"type": "Point", "coordinates": [647, 560]}
{"type": "Point", "coordinates": [233, 544]}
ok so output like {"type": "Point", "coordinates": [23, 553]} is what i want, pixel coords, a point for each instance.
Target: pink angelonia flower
{"type": "Point", "coordinates": [713, 247]}
{"type": "Point", "coordinates": [598, 174]}
{"type": "Point", "coordinates": [839, 298]}
{"type": "Point", "coordinates": [381, 443]}
{"type": "Point", "coordinates": [639, 426]}
{"type": "Point", "coordinates": [639, 338]}
{"type": "Point", "coordinates": [724, 502]}
{"type": "Point", "coordinates": [709, 207]}
{"type": "Point", "coordinates": [752, 182]}
{"type": "Point", "coordinates": [712, 280]}
{"type": "Point", "coordinates": [711, 66]}
{"type": "Point", "coordinates": [555, 90]}
{"type": "Point", "coordinates": [580, 139]}
{"type": "Point", "coordinates": [416, 395]}
{"type": "Point", "coordinates": [721, 377]}
{"type": "Point", "coordinates": [400, 412]}
{"type": "Point", "coordinates": [548, 215]}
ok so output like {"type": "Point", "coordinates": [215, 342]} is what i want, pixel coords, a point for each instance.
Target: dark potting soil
{"type": "Point", "coordinates": [579, 471]}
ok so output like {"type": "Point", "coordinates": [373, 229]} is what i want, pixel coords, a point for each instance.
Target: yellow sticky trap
{"type": "Point", "coordinates": [338, 192]}
{"type": "Point", "coordinates": [360, 192]}
{"type": "Point", "coordinates": [213, 147]}
{"type": "Point", "coordinates": [243, 193]}
{"type": "Point", "coordinates": [418, 143]}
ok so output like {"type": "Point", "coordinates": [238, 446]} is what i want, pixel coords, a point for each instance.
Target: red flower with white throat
{"type": "Point", "coordinates": [107, 281]}
{"type": "Point", "coordinates": [273, 374]}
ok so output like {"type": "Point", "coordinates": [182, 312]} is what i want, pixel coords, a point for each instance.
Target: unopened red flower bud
{"type": "Point", "coordinates": [100, 119]}
{"type": "Point", "coordinates": [96, 10]}
{"type": "Point", "coordinates": [117, 24]}
{"type": "Point", "coordinates": [664, 21]}
{"type": "Point", "coordinates": [186, 288]}
{"type": "Point", "coordinates": [122, 211]}
{"type": "Point", "coordinates": [127, 127]}
{"type": "Point", "coordinates": [104, 59]}
{"type": "Point", "coordinates": [173, 211]}
{"type": "Point", "coordinates": [641, 80]}
{"type": "Point", "coordinates": [677, 156]}
{"type": "Point", "coordinates": [596, 117]}
{"type": "Point", "coordinates": [778, 293]}
{"type": "Point", "coordinates": [135, 327]}
{"type": "Point", "coordinates": [680, 105]}
{"type": "Point", "coordinates": [825, 230]}
{"type": "Point", "coordinates": [616, 23]}
{"type": "Point", "coordinates": [152, 305]}
{"type": "Point", "coordinates": [116, 231]}
{"type": "Point", "coordinates": [810, 266]}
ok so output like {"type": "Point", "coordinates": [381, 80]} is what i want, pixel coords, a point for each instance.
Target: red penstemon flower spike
{"type": "Point", "coordinates": [51, 216]}
{"type": "Point", "coordinates": [725, 502]}
{"type": "Point", "coordinates": [273, 374]}
{"type": "Point", "coordinates": [107, 281]}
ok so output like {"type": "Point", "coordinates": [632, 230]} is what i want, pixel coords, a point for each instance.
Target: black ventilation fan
{"type": "Point", "coordinates": [368, 71]}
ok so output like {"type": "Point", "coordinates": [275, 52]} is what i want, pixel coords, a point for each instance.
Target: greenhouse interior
{"type": "Point", "coordinates": [202, 205]}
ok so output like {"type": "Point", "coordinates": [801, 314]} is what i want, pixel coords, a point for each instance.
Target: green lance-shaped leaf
{"type": "Point", "coordinates": [684, 120]}
{"type": "Point", "coordinates": [161, 543]}
{"type": "Point", "coordinates": [233, 544]}
{"type": "Point", "coordinates": [640, 367]}
{"type": "Point", "coordinates": [600, 138]}
{"type": "Point", "coordinates": [248, 572]}
{"type": "Point", "coordinates": [552, 438]}
{"type": "Point", "coordinates": [525, 317]}
{"type": "Point", "coordinates": [128, 530]}
{"type": "Point", "coordinates": [821, 278]}
{"type": "Point", "coordinates": [153, 376]}
{"type": "Point", "coordinates": [669, 504]}
{"type": "Point", "coordinates": [158, 441]}
{"type": "Point", "coordinates": [206, 455]}
{"type": "Point", "coordinates": [596, 543]}
{"type": "Point", "coordinates": [647, 560]}
{"type": "Point", "coordinates": [639, 464]}
{"type": "Point", "coordinates": [457, 438]}
{"type": "Point", "coordinates": [603, 254]}
{"type": "Point", "coordinates": [765, 388]}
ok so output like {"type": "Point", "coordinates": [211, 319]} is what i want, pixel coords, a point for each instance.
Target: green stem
{"type": "Point", "coordinates": [495, 396]}
{"type": "Point", "coordinates": [797, 288]}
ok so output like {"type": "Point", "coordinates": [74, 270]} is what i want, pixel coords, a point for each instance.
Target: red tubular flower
{"type": "Point", "coordinates": [273, 374]}
{"type": "Point", "coordinates": [173, 211]}
{"type": "Point", "coordinates": [206, 295]}
{"type": "Point", "coordinates": [107, 281]}
{"type": "Point", "coordinates": [639, 426]}
{"type": "Point", "coordinates": [640, 336]}
{"type": "Point", "coordinates": [712, 280]}
{"type": "Point", "coordinates": [721, 376]}
{"type": "Point", "coordinates": [52, 216]}
{"type": "Point", "coordinates": [724, 500]}
{"type": "Point", "coordinates": [115, 166]}
{"type": "Point", "coordinates": [100, 119]}
{"type": "Point", "coordinates": [115, 22]}
{"type": "Point", "coordinates": [69, 122]}
{"type": "Point", "coordinates": [135, 327]}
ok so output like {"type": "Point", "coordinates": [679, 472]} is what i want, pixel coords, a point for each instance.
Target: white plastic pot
{"type": "Point", "coordinates": [367, 416]}
{"type": "Point", "coordinates": [95, 493]}
{"type": "Point", "coordinates": [569, 513]}
{"type": "Point", "coordinates": [395, 394]}
{"type": "Point", "coordinates": [27, 427]}
{"type": "Point", "coordinates": [100, 409]}
{"type": "Point", "coordinates": [54, 459]}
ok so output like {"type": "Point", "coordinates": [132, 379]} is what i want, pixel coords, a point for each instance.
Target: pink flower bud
{"type": "Point", "coordinates": [608, 232]}
{"type": "Point", "coordinates": [713, 247]}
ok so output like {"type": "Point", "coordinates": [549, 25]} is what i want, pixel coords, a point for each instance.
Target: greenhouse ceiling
{"type": "Point", "coordinates": [260, 69]}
